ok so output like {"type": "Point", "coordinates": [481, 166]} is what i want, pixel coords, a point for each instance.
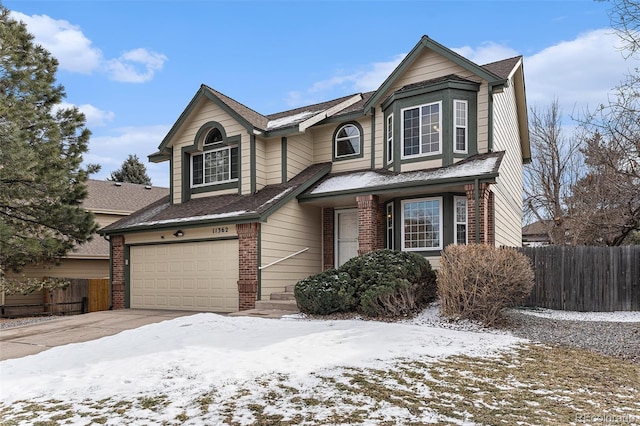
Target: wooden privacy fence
{"type": "Point", "coordinates": [599, 279]}
{"type": "Point", "coordinates": [81, 296]}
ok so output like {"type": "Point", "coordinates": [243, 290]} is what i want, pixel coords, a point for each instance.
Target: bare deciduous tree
{"type": "Point", "coordinates": [554, 169]}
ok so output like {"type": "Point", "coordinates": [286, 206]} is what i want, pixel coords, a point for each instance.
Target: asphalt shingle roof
{"type": "Point", "coordinates": [122, 197]}
{"type": "Point", "coordinates": [218, 207]}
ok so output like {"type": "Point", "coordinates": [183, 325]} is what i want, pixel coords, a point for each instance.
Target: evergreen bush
{"type": "Point", "coordinates": [325, 293]}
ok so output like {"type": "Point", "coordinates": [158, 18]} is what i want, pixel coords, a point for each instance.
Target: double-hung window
{"type": "Point", "coordinates": [460, 225]}
{"type": "Point", "coordinates": [390, 244]}
{"type": "Point", "coordinates": [422, 224]}
{"type": "Point", "coordinates": [421, 130]}
{"type": "Point", "coordinates": [390, 139]}
{"type": "Point", "coordinates": [218, 164]}
{"type": "Point", "coordinates": [460, 126]}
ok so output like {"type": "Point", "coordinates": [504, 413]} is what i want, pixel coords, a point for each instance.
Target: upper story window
{"type": "Point", "coordinates": [460, 133]}
{"type": "Point", "coordinates": [390, 138]}
{"type": "Point", "coordinates": [421, 130]}
{"type": "Point", "coordinates": [347, 141]}
{"type": "Point", "coordinates": [218, 164]}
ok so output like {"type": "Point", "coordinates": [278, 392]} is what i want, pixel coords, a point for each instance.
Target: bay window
{"type": "Point", "coordinates": [421, 130]}
{"type": "Point", "coordinates": [422, 224]}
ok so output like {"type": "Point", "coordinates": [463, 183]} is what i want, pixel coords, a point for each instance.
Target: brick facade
{"type": "Point", "coordinates": [248, 265]}
{"type": "Point", "coordinates": [117, 272]}
{"type": "Point", "coordinates": [370, 224]}
{"type": "Point", "coordinates": [328, 218]}
{"type": "Point", "coordinates": [486, 217]}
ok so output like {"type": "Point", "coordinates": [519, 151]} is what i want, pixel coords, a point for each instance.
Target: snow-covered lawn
{"type": "Point", "coordinates": [211, 369]}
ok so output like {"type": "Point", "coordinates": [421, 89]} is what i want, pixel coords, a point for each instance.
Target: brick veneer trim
{"type": "Point", "coordinates": [117, 272]}
{"type": "Point", "coordinates": [248, 234]}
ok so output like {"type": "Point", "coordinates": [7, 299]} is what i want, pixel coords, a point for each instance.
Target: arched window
{"type": "Point", "coordinates": [347, 141]}
{"type": "Point", "coordinates": [214, 136]}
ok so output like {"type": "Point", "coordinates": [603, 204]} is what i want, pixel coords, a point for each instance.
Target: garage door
{"type": "Point", "coordinates": [199, 276]}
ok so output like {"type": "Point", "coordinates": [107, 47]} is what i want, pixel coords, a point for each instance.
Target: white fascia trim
{"type": "Point", "coordinates": [328, 112]}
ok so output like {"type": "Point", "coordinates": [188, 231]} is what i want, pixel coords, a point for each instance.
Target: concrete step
{"type": "Point", "coordinates": [281, 305]}
{"type": "Point", "coordinates": [261, 313]}
{"type": "Point", "coordinates": [289, 288]}
{"type": "Point", "coordinates": [283, 296]}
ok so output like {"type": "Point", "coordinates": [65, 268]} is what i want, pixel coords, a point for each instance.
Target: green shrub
{"type": "Point", "coordinates": [478, 281]}
{"type": "Point", "coordinates": [391, 283]}
{"type": "Point", "coordinates": [325, 293]}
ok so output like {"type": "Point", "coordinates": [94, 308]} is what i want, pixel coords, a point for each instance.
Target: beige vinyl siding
{"type": "Point", "coordinates": [381, 140]}
{"type": "Point", "coordinates": [273, 161]}
{"type": "Point", "coordinates": [261, 167]}
{"type": "Point", "coordinates": [483, 118]}
{"type": "Point", "coordinates": [190, 234]}
{"type": "Point", "coordinates": [290, 229]}
{"type": "Point", "coordinates": [299, 153]}
{"type": "Point", "coordinates": [220, 192]}
{"type": "Point", "coordinates": [508, 188]}
{"type": "Point", "coordinates": [107, 219]}
{"type": "Point", "coordinates": [419, 165]}
{"type": "Point", "coordinates": [68, 268]}
{"type": "Point", "coordinates": [323, 146]}
{"type": "Point", "coordinates": [204, 112]}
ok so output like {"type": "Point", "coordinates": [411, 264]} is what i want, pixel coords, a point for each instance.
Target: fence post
{"type": "Point", "coordinates": [85, 305]}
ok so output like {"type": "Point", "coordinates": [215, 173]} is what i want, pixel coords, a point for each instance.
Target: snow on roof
{"type": "Point", "coordinates": [368, 179]}
{"type": "Point", "coordinates": [191, 219]}
{"type": "Point", "coordinates": [276, 197]}
{"type": "Point", "coordinates": [289, 120]}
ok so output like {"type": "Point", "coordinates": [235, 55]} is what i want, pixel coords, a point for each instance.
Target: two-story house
{"type": "Point", "coordinates": [257, 202]}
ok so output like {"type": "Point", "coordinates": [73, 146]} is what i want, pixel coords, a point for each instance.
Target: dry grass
{"type": "Point", "coordinates": [531, 385]}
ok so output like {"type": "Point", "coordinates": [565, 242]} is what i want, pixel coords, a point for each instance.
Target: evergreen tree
{"type": "Point", "coordinates": [42, 181]}
{"type": "Point", "coordinates": [132, 171]}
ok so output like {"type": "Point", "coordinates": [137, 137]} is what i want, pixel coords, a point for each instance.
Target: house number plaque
{"type": "Point", "coordinates": [220, 229]}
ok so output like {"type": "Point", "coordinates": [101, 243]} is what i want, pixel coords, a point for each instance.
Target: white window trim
{"type": "Point", "coordinates": [455, 219]}
{"type": "Point", "coordinates": [466, 127]}
{"type": "Point", "coordinates": [389, 139]}
{"type": "Point", "coordinates": [428, 154]}
{"type": "Point", "coordinates": [414, 200]}
{"type": "Point", "coordinates": [390, 226]}
{"type": "Point", "coordinates": [211, 183]}
{"type": "Point", "coordinates": [336, 139]}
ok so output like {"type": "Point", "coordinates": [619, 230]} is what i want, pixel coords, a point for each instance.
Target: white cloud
{"type": "Point", "coordinates": [126, 68]}
{"type": "Point", "coordinates": [65, 41]}
{"type": "Point", "coordinates": [95, 116]}
{"type": "Point", "coordinates": [580, 73]}
{"type": "Point", "coordinates": [111, 150]}
{"type": "Point", "coordinates": [486, 53]}
{"type": "Point", "coordinates": [370, 78]}
{"type": "Point", "coordinates": [75, 53]}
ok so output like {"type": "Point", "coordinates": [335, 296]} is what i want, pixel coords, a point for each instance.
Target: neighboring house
{"type": "Point", "coordinates": [109, 201]}
{"type": "Point", "coordinates": [433, 157]}
{"type": "Point", "coordinates": [535, 235]}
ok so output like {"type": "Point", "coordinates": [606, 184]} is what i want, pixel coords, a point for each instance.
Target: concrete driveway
{"type": "Point", "coordinates": [16, 342]}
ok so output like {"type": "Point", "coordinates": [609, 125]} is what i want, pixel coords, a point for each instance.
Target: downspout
{"type": "Point", "coordinates": [477, 194]}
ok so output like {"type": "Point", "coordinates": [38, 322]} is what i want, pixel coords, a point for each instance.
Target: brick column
{"type": "Point", "coordinates": [117, 271]}
{"type": "Point", "coordinates": [247, 265]}
{"type": "Point", "coordinates": [368, 223]}
{"type": "Point", "coordinates": [382, 225]}
{"type": "Point", "coordinates": [486, 216]}
{"type": "Point", "coordinates": [328, 256]}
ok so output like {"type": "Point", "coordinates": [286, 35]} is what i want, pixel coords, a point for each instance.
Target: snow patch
{"type": "Point", "coordinates": [618, 316]}
{"type": "Point", "coordinates": [367, 179]}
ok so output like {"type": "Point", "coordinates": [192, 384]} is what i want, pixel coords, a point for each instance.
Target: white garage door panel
{"type": "Point", "coordinates": [190, 276]}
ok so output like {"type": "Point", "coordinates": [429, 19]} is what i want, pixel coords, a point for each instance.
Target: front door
{"type": "Point", "coordinates": [346, 235]}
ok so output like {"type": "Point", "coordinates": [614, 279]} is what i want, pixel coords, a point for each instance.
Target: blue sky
{"type": "Point", "coordinates": [133, 66]}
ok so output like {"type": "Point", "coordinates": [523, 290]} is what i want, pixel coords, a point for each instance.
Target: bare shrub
{"type": "Point", "coordinates": [478, 281]}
